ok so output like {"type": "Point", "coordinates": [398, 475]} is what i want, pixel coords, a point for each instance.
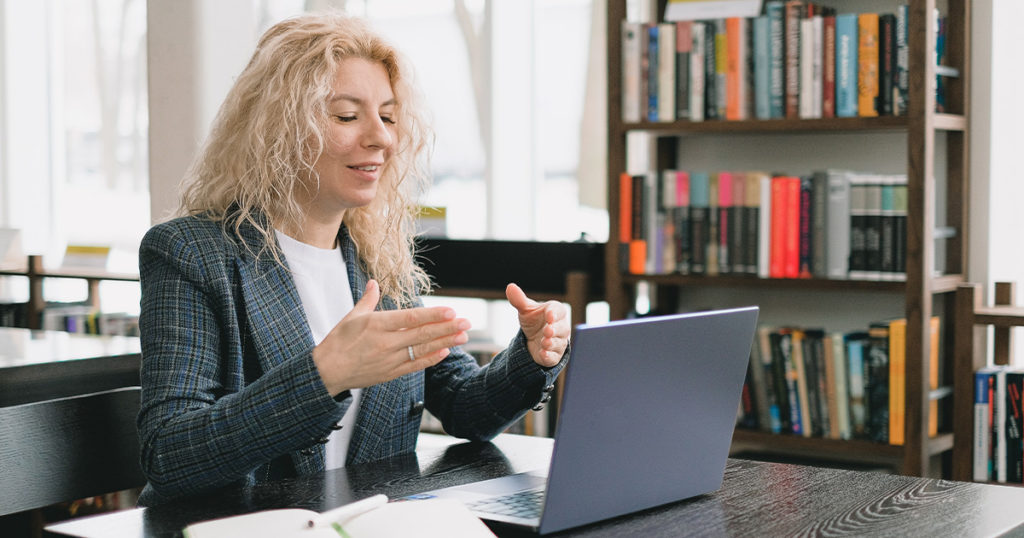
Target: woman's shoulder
{"type": "Point", "coordinates": [188, 229]}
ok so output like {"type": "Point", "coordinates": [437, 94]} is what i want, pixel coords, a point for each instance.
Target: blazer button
{"type": "Point", "coordinates": [322, 440]}
{"type": "Point", "coordinates": [546, 398]}
{"type": "Point", "coordinates": [306, 452]}
{"type": "Point", "coordinates": [549, 388]}
{"type": "Point", "coordinates": [336, 427]}
{"type": "Point", "coordinates": [416, 408]}
{"type": "Point", "coordinates": [538, 407]}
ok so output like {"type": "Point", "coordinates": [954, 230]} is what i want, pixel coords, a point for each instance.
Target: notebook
{"type": "Point", "coordinates": [647, 417]}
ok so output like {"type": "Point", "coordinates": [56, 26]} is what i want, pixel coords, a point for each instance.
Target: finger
{"type": "Point", "coordinates": [436, 349]}
{"type": "Point", "coordinates": [368, 303]}
{"type": "Point", "coordinates": [434, 331]}
{"type": "Point", "coordinates": [409, 318]}
{"type": "Point", "coordinates": [518, 299]}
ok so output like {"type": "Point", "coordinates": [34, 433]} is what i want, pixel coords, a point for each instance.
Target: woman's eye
{"type": "Point", "coordinates": [387, 119]}
{"type": "Point", "coordinates": [345, 119]}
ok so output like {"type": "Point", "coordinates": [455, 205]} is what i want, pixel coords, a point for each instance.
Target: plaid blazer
{"type": "Point", "coordinates": [230, 393]}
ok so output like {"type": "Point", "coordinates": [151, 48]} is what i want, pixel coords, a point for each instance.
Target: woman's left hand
{"type": "Point", "coordinates": [546, 326]}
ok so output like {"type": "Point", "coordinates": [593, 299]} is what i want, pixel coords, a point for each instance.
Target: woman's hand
{"type": "Point", "coordinates": [546, 326]}
{"type": "Point", "coordinates": [368, 347]}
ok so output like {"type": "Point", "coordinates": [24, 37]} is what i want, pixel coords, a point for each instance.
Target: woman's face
{"type": "Point", "coordinates": [359, 137]}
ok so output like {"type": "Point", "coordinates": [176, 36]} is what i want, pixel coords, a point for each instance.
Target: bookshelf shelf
{"type": "Point", "coordinates": [925, 293]}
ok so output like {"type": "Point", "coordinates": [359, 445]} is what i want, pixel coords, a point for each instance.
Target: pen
{"type": "Point", "coordinates": [349, 511]}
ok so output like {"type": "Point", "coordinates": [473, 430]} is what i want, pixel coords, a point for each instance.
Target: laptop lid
{"type": "Point", "coordinates": [647, 414]}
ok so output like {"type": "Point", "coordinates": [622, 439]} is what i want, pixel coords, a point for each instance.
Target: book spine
{"type": "Point", "coordinates": [721, 68]}
{"type": "Point", "coordinates": [762, 68]}
{"type": "Point", "coordinates": [725, 222]}
{"type": "Point", "coordinates": [841, 385]}
{"type": "Point", "coordinates": [777, 263]}
{"type": "Point", "coordinates": [710, 72]}
{"type": "Point", "coordinates": [783, 396]}
{"type": "Point", "coordinates": [899, 201]}
{"type": "Point", "coordinates": [867, 61]}
{"type": "Point", "coordinates": [652, 222]}
{"type": "Point", "coordinates": [806, 102]}
{"type": "Point", "coordinates": [764, 230]}
{"type": "Point", "coordinates": [902, 59]}
{"type": "Point", "coordinates": [737, 225]}
{"type": "Point", "coordinates": [791, 232]}
{"type": "Point", "coordinates": [697, 59]}
{"type": "Point", "coordinates": [666, 72]}
{"type": "Point", "coordinates": [631, 71]}
{"type": "Point", "coordinates": [699, 222]}
{"type": "Point", "coordinates": [763, 344]}
{"type": "Point", "coordinates": [819, 225]}
{"type": "Point", "coordinates": [808, 414]}
{"type": "Point", "coordinates": [982, 425]}
{"type": "Point", "coordinates": [752, 223]}
{"type": "Point", "coordinates": [653, 66]}
{"type": "Point", "coordinates": [858, 228]}
{"type": "Point", "coordinates": [828, 61]}
{"type": "Point", "coordinates": [846, 65]}
{"type": "Point", "coordinates": [897, 380]}
{"type": "Point", "coordinates": [876, 390]}
{"type": "Point", "coordinates": [682, 221]}
{"type": "Point", "coordinates": [838, 224]}
{"type": "Point", "coordinates": [1014, 422]}
{"type": "Point", "coordinates": [713, 232]}
{"type": "Point", "coordinates": [793, 15]}
{"type": "Point", "coordinates": [777, 59]}
{"type": "Point", "coordinates": [684, 44]}
{"type": "Point", "coordinates": [999, 425]}
{"type": "Point", "coordinates": [855, 355]}
{"type": "Point", "coordinates": [734, 68]}
{"type": "Point", "coordinates": [625, 219]}
{"type": "Point", "coordinates": [806, 240]}
{"type": "Point", "coordinates": [886, 64]}
{"type": "Point", "coordinates": [873, 229]}
{"type": "Point", "coordinates": [638, 243]}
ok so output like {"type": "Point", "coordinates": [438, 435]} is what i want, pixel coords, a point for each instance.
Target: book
{"type": "Point", "coordinates": [764, 225]}
{"type": "Point", "coordinates": [653, 67]}
{"type": "Point", "coordinates": [791, 231]}
{"type": "Point", "coordinates": [764, 356]}
{"type": "Point", "coordinates": [792, 15]}
{"type": "Point", "coordinates": [858, 228]}
{"type": "Point", "coordinates": [666, 72]}
{"type": "Point", "coordinates": [808, 416]}
{"type": "Point", "coordinates": [681, 219]}
{"type": "Point", "coordinates": [998, 403]}
{"type": "Point", "coordinates": [736, 68]}
{"type": "Point", "coordinates": [712, 246]}
{"type": "Point", "coordinates": [819, 224]}
{"type": "Point", "coordinates": [806, 239]}
{"type": "Point", "coordinates": [838, 224]}
{"type": "Point", "coordinates": [828, 66]}
{"type": "Point", "coordinates": [873, 228]}
{"type": "Point", "coordinates": [699, 222]}
{"type": "Point", "coordinates": [902, 60]}
{"type": "Point", "coordinates": [751, 222]}
{"type": "Point", "coordinates": [710, 71]}
{"type": "Point", "coordinates": [778, 340]}
{"type": "Point", "coordinates": [867, 62]}
{"type": "Point", "coordinates": [761, 46]}
{"type": "Point", "coordinates": [726, 212]}
{"type": "Point", "coordinates": [697, 60]}
{"type": "Point", "coordinates": [897, 380]}
{"type": "Point", "coordinates": [984, 387]}
{"type": "Point", "coordinates": [721, 68]}
{"type": "Point", "coordinates": [806, 99]}
{"type": "Point", "coordinates": [737, 225]}
{"type": "Point", "coordinates": [775, 11]}
{"type": "Point", "coordinates": [886, 64]}
{"type": "Point", "coordinates": [367, 518]}
{"type": "Point", "coordinates": [684, 45]}
{"type": "Point", "coordinates": [1014, 426]}
{"type": "Point", "coordinates": [846, 65]}
{"type": "Point", "coordinates": [876, 386]}
{"type": "Point", "coordinates": [836, 341]}
{"type": "Point", "coordinates": [632, 71]}
{"type": "Point", "coordinates": [856, 343]}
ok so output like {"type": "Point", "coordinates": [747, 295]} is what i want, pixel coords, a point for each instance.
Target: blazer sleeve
{"type": "Point", "coordinates": [200, 426]}
{"type": "Point", "coordinates": [478, 403]}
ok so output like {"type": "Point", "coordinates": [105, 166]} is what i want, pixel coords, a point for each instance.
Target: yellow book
{"type": "Point", "coordinates": [897, 380]}
{"type": "Point", "coordinates": [867, 64]}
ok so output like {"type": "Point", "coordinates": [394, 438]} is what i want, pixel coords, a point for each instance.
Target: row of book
{"type": "Point", "coordinates": [72, 317]}
{"type": "Point", "coordinates": [998, 431]}
{"type": "Point", "coordinates": [814, 383]}
{"type": "Point", "coordinates": [797, 60]}
{"type": "Point", "coordinates": [833, 224]}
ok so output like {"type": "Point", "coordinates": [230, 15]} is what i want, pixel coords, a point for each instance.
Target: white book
{"type": "Point", "coordinates": [838, 224]}
{"type": "Point", "coordinates": [806, 68]}
{"type": "Point", "coordinates": [652, 223]}
{"type": "Point", "coordinates": [764, 229]}
{"type": "Point", "coordinates": [697, 72]}
{"type": "Point", "coordinates": [632, 70]}
{"type": "Point", "coordinates": [842, 396]}
{"type": "Point", "coordinates": [817, 67]}
{"type": "Point", "coordinates": [666, 72]}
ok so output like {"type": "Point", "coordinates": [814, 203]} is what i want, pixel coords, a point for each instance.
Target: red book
{"type": "Point", "coordinates": [625, 208]}
{"type": "Point", "coordinates": [828, 102]}
{"type": "Point", "coordinates": [735, 83]}
{"type": "Point", "coordinates": [776, 258]}
{"type": "Point", "coordinates": [791, 232]}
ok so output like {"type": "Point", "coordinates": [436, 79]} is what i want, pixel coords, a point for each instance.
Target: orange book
{"type": "Point", "coordinates": [736, 68]}
{"type": "Point", "coordinates": [867, 64]}
{"type": "Point", "coordinates": [933, 375]}
{"type": "Point", "coordinates": [637, 256]}
{"type": "Point", "coordinates": [897, 380]}
{"type": "Point", "coordinates": [625, 208]}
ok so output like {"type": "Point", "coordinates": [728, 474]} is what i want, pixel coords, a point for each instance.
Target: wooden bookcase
{"type": "Point", "coordinates": [924, 293]}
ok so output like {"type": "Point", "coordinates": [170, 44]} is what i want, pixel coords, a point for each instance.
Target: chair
{"type": "Point", "coordinates": [68, 448]}
{"type": "Point", "coordinates": [972, 318]}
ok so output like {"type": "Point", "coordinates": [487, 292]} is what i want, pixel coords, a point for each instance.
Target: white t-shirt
{"type": "Point", "coordinates": [321, 278]}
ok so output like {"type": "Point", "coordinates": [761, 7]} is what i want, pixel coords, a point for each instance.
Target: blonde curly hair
{"type": "Point", "coordinates": [270, 131]}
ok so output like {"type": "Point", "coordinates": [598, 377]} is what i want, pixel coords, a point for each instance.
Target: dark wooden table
{"type": "Point", "coordinates": [44, 365]}
{"type": "Point", "coordinates": [756, 499]}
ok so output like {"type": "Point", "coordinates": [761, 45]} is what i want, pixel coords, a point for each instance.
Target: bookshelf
{"type": "Point", "coordinates": [35, 273]}
{"type": "Point", "coordinates": [925, 292]}
{"type": "Point", "coordinates": [971, 355]}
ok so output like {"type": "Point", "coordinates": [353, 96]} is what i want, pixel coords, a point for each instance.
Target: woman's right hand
{"type": "Point", "coordinates": [368, 347]}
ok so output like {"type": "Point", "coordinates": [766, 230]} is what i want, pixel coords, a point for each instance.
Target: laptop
{"type": "Point", "coordinates": [646, 418]}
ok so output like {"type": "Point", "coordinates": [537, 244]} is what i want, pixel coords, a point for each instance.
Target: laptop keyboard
{"type": "Point", "coordinates": [525, 504]}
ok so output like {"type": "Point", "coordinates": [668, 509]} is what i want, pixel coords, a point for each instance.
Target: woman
{"type": "Point", "coordinates": [282, 333]}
